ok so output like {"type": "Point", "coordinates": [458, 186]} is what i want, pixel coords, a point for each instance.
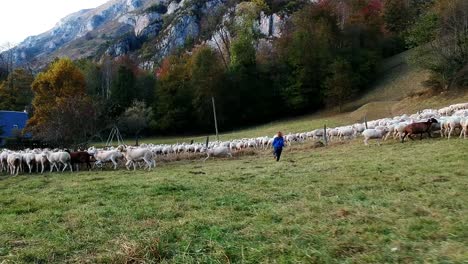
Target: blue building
{"type": "Point", "coordinates": [11, 121]}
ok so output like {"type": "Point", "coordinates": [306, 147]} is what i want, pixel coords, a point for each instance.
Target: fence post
{"type": "Point", "coordinates": [207, 141]}
{"type": "Point", "coordinates": [325, 134]}
{"type": "Point", "coordinates": [365, 121]}
{"type": "Point", "coordinates": [215, 118]}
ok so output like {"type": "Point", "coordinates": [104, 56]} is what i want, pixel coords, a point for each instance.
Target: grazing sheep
{"type": "Point", "coordinates": [418, 128]}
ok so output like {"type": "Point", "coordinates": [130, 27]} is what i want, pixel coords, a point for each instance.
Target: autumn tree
{"type": "Point", "coordinates": [63, 113]}
{"type": "Point", "coordinates": [397, 15]}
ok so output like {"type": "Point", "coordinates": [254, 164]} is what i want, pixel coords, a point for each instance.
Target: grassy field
{"type": "Point", "coordinates": [347, 203]}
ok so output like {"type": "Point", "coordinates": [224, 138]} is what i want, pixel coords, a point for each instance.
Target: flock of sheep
{"type": "Point", "coordinates": [448, 121]}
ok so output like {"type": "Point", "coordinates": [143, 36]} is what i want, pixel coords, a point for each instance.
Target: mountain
{"type": "Point", "coordinates": [146, 29]}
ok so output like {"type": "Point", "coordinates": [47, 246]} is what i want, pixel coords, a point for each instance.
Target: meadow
{"type": "Point", "coordinates": [345, 203]}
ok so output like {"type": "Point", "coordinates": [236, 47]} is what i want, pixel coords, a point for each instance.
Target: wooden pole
{"type": "Point", "coordinates": [365, 121]}
{"type": "Point", "coordinates": [325, 134]}
{"type": "Point", "coordinates": [207, 141]}
{"type": "Point", "coordinates": [215, 119]}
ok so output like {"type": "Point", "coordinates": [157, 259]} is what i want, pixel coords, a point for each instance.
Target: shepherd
{"type": "Point", "coordinates": [278, 144]}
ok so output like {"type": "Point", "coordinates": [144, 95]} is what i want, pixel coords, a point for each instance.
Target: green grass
{"type": "Point", "coordinates": [347, 203]}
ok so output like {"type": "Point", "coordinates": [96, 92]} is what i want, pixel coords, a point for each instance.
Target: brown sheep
{"type": "Point", "coordinates": [80, 157]}
{"type": "Point", "coordinates": [418, 128]}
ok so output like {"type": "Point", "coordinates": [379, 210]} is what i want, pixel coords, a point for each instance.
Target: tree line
{"type": "Point", "coordinates": [328, 53]}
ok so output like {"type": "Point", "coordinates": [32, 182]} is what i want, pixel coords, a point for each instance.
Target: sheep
{"type": "Point", "coordinates": [464, 125]}
{"type": "Point", "coordinates": [453, 123]}
{"type": "Point", "coordinates": [40, 159]}
{"type": "Point", "coordinates": [359, 128]}
{"type": "Point", "coordinates": [217, 151]}
{"type": "Point", "coordinates": [418, 128]}
{"type": "Point", "coordinates": [317, 134]}
{"type": "Point", "coordinates": [103, 156]}
{"type": "Point", "coordinates": [399, 130]}
{"type": "Point", "coordinates": [80, 157]}
{"type": "Point", "coordinates": [374, 133]}
{"type": "Point", "coordinates": [3, 161]}
{"type": "Point", "coordinates": [56, 158]}
{"type": "Point", "coordinates": [14, 161]}
{"type": "Point", "coordinates": [390, 128]}
{"type": "Point", "coordinates": [290, 139]}
{"type": "Point", "coordinates": [134, 155]}
{"type": "Point", "coordinates": [29, 158]}
{"type": "Point", "coordinates": [346, 132]}
{"type": "Point", "coordinates": [332, 133]}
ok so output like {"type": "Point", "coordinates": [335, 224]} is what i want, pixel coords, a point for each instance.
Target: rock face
{"type": "Point", "coordinates": [271, 25]}
{"type": "Point", "coordinates": [121, 27]}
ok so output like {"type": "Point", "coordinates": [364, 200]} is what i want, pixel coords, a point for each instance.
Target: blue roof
{"type": "Point", "coordinates": [10, 120]}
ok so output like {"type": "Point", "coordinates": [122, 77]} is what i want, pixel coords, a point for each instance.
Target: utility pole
{"type": "Point", "coordinates": [215, 119]}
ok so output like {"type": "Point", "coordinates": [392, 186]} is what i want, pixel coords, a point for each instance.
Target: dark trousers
{"type": "Point", "coordinates": [277, 153]}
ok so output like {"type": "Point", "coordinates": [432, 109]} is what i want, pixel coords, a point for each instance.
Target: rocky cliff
{"type": "Point", "coordinates": [122, 27]}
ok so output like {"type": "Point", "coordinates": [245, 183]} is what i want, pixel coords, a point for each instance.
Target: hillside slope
{"type": "Point", "coordinates": [399, 90]}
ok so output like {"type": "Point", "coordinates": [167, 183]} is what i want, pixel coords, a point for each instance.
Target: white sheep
{"type": "Point", "coordinates": [57, 158]}
{"type": "Point", "coordinates": [218, 152]}
{"type": "Point", "coordinates": [378, 134]}
{"type": "Point", "coordinates": [464, 126]}
{"type": "Point", "coordinates": [452, 124]}
{"type": "Point", "coordinates": [346, 132]}
{"type": "Point", "coordinates": [3, 161]}
{"type": "Point", "coordinates": [135, 155]}
{"type": "Point", "coordinates": [29, 159]}
{"type": "Point", "coordinates": [104, 156]}
{"type": "Point", "coordinates": [14, 161]}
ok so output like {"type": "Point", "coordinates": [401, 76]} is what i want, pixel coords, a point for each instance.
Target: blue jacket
{"type": "Point", "coordinates": [278, 142]}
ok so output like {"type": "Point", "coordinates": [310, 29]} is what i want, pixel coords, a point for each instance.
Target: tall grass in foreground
{"type": "Point", "coordinates": [398, 203]}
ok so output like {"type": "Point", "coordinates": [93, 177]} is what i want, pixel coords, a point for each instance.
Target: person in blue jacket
{"type": "Point", "coordinates": [278, 144]}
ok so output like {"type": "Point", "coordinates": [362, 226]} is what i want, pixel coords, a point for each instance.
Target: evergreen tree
{"type": "Point", "coordinates": [15, 91]}
{"type": "Point", "coordinates": [339, 85]}
{"type": "Point", "coordinates": [122, 92]}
